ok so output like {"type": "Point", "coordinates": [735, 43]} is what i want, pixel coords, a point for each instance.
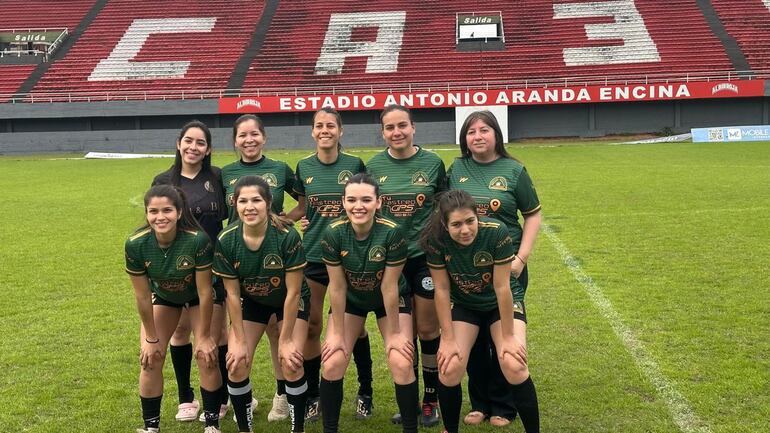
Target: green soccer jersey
{"type": "Point", "coordinates": [323, 185]}
{"type": "Point", "coordinates": [171, 271]}
{"type": "Point", "coordinates": [471, 267]}
{"type": "Point", "coordinates": [407, 187]}
{"type": "Point", "coordinates": [501, 188]}
{"type": "Point", "coordinates": [261, 273]}
{"type": "Point", "coordinates": [277, 174]}
{"type": "Point", "coordinates": [364, 261]}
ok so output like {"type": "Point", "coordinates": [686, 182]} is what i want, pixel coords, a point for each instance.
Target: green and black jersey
{"type": "Point", "coordinates": [501, 188]}
{"type": "Point", "coordinates": [171, 271]}
{"type": "Point", "coordinates": [407, 187]}
{"type": "Point", "coordinates": [323, 185]}
{"type": "Point", "coordinates": [364, 261]}
{"type": "Point", "coordinates": [277, 174]}
{"type": "Point", "coordinates": [261, 273]}
{"type": "Point", "coordinates": [471, 268]}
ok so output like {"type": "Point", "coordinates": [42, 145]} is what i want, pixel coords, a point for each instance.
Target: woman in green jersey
{"type": "Point", "coordinates": [409, 177]}
{"type": "Point", "coordinates": [260, 258]}
{"type": "Point", "coordinates": [470, 261]}
{"type": "Point", "coordinates": [169, 262]}
{"type": "Point", "coordinates": [249, 139]}
{"type": "Point", "coordinates": [502, 189]}
{"type": "Point", "coordinates": [364, 256]}
{"type": "Point", "coordinates": [320, 179]}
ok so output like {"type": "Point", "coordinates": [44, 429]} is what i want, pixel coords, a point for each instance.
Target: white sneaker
{"type": "Point", "coordinates": [222, 412]}
{"type": "Point", "coordinates": [188, 411]}
{"type": "Point", "coordinates": [211, 429]}
{"type": "Point", "coordinates": [280, 409]}
{"type": "Point", "coordinates": [254, 404]}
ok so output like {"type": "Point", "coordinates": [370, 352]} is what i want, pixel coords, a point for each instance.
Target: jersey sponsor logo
{"type": "Point", "coordinates": [468, 283]}
{"type": "Point", "coordinates": [275, 281]}
{"type": "Point", "coordinates": [463, 179]}
{"type": "Point", "coordinates": [482, 258]}
{"type": "Point", "coordinates": [377, 253]}
{"type": "Point", "coordinates": [420, 199]}
{"type": "Point", "coordinates": [270, 179]}
{"type": "Point", "coordinates": [272, 261]}
{"type": "Point", "coordinates": [419, 178]}
{"type": "Point", "coordinates": [208, 187]}
{"type": "Point", "coordinates": [363, 281]}
{"type": "Point", "coordinates": [344, 176]}
{"type": "Point", "coordinates": [382, 179]}
{"type": "Point", "coordinates": [258, 286]}
{"type": "Point", "coordinates": [328, 208]}
{"type": "Point", "coordinates": [309, 180]}
{"type": "Point", "coordinates": [498, 183]}
{"type": "Point", "coordinates": [184, 263]}
{"type": "Point", "coordinates": [486, 277]}
{"type": "Point", "coordinates": [494, 204]}
{"type": "Point", "coordinates": [427, 284]}
{"type": "Point", "coordinates": [174, 285]}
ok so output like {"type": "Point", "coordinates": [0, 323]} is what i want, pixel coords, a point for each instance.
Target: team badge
{"type": "Point", "coordinates": [482, 258]}
{"type": "Point", "coordinates": [207, 186]}
{"type": "Point", "coordinates": [419, 178]}
{"type": "Point", "coordinates": [494, 204]}
{"type": "Point", "coordinates": [344, 176]}
{"type": "Point", "coordinates": [184, 263]}
{"type": "Point", "coordinates": [498, 183]}
{"type": "Point", "coordinates": [420, 199]}
{"type": "Point", "coordinates": [486, 277]}
{"type": "Point", "coordinates": [272, 261]}
{"type": "Point", "coordinates": [376, 254]}
{"type": "Point", "coordinates": [270, 179]}
{"type": "Point", "coordinates": [275, 281]}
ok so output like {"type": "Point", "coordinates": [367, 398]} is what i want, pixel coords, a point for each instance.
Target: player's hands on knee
{"type": "Point", "coordinates": [447, 350]}
{"type": "Point", "coordinates": [289, 355]}
{"type": "Point", "coordinates": [236, 354]}
{"type": "Point", "coordinates": [513, 348]}
{"type": "Point", "coordinates": [149, 354]}
{"type": "Point", "coordinates": [206, 351]}
{"type": "Point", "coordinates": [402, 345]}
{"type": "Point", "coordinates": [332, 344]}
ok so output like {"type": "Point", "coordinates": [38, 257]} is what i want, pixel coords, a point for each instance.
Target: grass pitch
{"type": "Point", "coordinates": [674, 237]}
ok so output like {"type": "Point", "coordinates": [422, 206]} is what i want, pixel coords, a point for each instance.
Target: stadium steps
{"type": "Point", "coordinates": [748, 21]}
{"type": "Point", "coordinates": [734, 52]}
{"type": "Point", "coordinates": [255, 45]}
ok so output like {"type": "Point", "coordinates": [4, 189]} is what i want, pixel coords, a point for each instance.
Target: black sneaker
{"type": "Point", "coordinates": [363, 407]}
{"type": "Point", "coordinates": [396, 419]}
{"type": "Point", "coordinates": [313, 409]}
{"type": "Point", "coordinates": [429, 416]}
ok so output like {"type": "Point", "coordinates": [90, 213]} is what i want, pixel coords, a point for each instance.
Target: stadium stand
{"type": "Point", "coordinates": [36, 14]}
{"type": "Point", "coordinates": [748, 21]}
{"type": "Point", "coordinates": [13, 76]}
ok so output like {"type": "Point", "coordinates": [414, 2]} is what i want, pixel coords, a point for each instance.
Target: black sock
{"type": "Point", "coordinates": [331, 403]}
{"type": "Point", "coordinates": [451, 399]}
{"type": "Point", "coordinates": [429, 348]}
{"type": "Point", "coordinates": [280, 386]}
{"type": "Point", "coordinates": [525, 399]}
{"type": "Point", "coordinates": [296, 395]}
{"type": "Point", "coordinates": [223, 395]}
{"type": "Point", "coordinates": [406, 398]}
{"type": "Point", "coordinates": [416, 360]}
{"type": "Point", "coordinates": [210, 407]}
{"type": "Point", "coordinates": [362, 356]}
{"type": "Point", "coordinates": [240, 396]}
{"type": "Point", "coordinates": [312, 374]}
{"type": "Point", "coordinates": [151, 411]}
{"type": "Point", "coordinates": [181, 358]}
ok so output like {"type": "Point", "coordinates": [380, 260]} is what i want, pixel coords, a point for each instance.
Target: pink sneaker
{"type": "Point", "coordinates": [188, 411]}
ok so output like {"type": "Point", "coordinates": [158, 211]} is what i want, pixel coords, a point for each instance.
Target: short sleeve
{"type": "Point", "coordinates": [134, 259]}
{"type": "Point", "coordinates": [290, 181]}
{"type": "Point", "coordinates": [396, 248]}
{"type": "Point", "coordinates": [204, 253]}
{"type": "Point", "coordinates": [293, 254]}
{"type": "Point", "coordinates": [330, 247]}
{"type": "Point", "coordinates": [434, 257]}
{"type": "Point", "coordinates": [223, 263]}
{"type": "Point", "coordinates": [298, 186]}
{"type": "Point", "coordinates": [526, 196]}
{"type": "Point", "coordinates": [503, 249]}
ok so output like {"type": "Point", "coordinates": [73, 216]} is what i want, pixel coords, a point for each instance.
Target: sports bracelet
{"type": "Point", "coordinates": [157, 340]}
{"type": "Point", "coordinates": [520, 259]}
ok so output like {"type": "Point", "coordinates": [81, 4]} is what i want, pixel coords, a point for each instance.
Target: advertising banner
{"type": "Point", "coordinates": [731, 133]}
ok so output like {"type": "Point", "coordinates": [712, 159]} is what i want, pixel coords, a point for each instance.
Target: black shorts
{"type": "Point", "coordinates": [418, 277]}
{"type": "Point", "coordinates": [261, 313]}
{"type": "Point", "coordinates": [485, 319]}
{"type": "Point", "coordinates": [219, 291]}
{"type": "Point", "coordinates": [404, 307]}
{"type": "Point", "coordinates": [317, 272]}
{"type": "Point", "coordinates": [157, 300]}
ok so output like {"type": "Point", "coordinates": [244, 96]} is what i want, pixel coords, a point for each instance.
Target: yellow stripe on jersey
{"type": "Point", "coordinates": [228, 276]}
{"type": "Point", "coordinates": [137, 273]}
{"type": "Point", "coordinates": [336, 224]}
{"type": "Point", "coordinates": [435, 265]}
{"type": "Point", "coordinates": [488, 224]}
{"type": "Point", "coordinates": [530, 212]}
{"type": "Point", "coordinates": [226, 231]}
{"type": "Point", "coordinates": [294, 268]}
{"type": "Point", "coordinates": [310, 156]}
{"type": "Point", "coordinates": [203, 267]}
{"type": "Point", "coordinates": [385, 221]}
{"type": "Point", "coordinates": [505, 260]}
{"type": "Point", "coordinates": [396, 263]}
{"type": "Point", "coordinates": [140, 234]}
{"type": "Point", "coordinates": [331, 263]}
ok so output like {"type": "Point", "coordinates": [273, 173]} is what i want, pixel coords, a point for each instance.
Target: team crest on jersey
{"type": "Point", "coordinates": [207, 186]}
{"type": "Point", "coordinates": [419, 178]}
{"type": "Point", "coordinates": [420, 199]}
{"type": "Point", "coordinates": [498, 183]}
{"type": "Point", "coordinates": [377, 253]}
{"type": "Point", "coordinates": [344, 176]}
{"type": "Point", "coordinates": [482, 258]}
{"type": "Point", "coordinates": [308, 180]}
{"type": "Point", "coordinates": [270, 179]}
{"type": "Point", "coordinates": [382, 179]}
{"type": "Point", "coordinates": [494, 204]}
{"type": "Point", "coordinates": [272, 261]}
{"type": "Point", "coordinates": [463, 179]}
{"type": "Point", "coordinates": [184, 263]}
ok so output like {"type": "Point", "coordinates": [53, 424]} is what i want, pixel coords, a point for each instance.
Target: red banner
{"type": "Point", "coordinates": [533, 96]}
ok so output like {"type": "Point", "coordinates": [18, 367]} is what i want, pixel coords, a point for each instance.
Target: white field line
{"type": "Point", "coordinates": [681, 411]}
{"type": "Point", "coordinates": [674, 212]}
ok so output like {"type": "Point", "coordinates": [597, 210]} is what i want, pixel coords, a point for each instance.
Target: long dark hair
{"type": "Point", "coordinates": [445, 203]}
{"type": "Point", "coordinates": [176, 169]}
{"type": "Point", "coordinates": [178, 199]}
{"type": "Point", "coordinates": [337, 118]}
{"type": "Point", "coordinates": [263, 188]}
{"type": "Point", "coordinates": [487, 117]}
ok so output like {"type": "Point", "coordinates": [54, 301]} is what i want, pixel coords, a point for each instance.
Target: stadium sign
{"type": "Point", "coordinates": [731, 133]}
{"type": "Point", "coordinates": [529, 96]}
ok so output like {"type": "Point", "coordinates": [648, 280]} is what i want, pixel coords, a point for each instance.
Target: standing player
{"type": "Point", "coordinates": [409, 177]}
{"type": "Point", "coordinates": [249, 140]}
{"type": "Point", "coordinates": [502, 189]}
{"type": "Point", "coordinates": [365, 256]}
{"type": "Point", "coordinates": [320, 180]}
{"type": "Point", "coordinates": [169, 262]}
{"type": "Point", "coordinates": [260, 256]}
{"type": "Point", "coordinates": [193, 173]}
{"type": "Point", "coordinates": [470, 261]}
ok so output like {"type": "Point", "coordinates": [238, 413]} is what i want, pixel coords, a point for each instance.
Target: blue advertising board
{"type": "Point", "coordinates": [731, 133]}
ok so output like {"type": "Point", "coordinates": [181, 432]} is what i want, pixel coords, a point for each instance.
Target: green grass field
{"type": "Point", "coordinates": [648, 304]}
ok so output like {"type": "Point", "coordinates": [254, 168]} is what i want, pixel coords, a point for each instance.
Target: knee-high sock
{"type": "Point", "coordinates": [331, 402]}
{"type": "Point", "coordinates": [210, 407]}
{"type": "Point", "coordinates": [451, 399]}
{"type": "Point", "coordinates": [429, 348]}
{"type": "Point", "coordinates": [296, 394]}
{"type": "Point", "coordinates": [223, 395]}
{"type": "Point", "coordinates": [240, 396]}
{"type": "Point", "coordinates": [525, 398]}
{"type": "Point", "coordinates": [181, 358]}
{"type": "Point", "coordinates": [362, 356]}
{"type": "Point", "coordinates": [312, 374]}
{"type": "Point", "coordinates": [407, 397]}
{"type": "Point", "coordinates": [151, 411]}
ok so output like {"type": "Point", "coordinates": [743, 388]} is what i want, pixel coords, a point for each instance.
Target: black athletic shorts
{"type": "Point", "coordinates": [418, 277]}
{"type": "Point", "coordinates": [484, 319]}
{"type": "Point", "coordinates": [157, 300]}
{"type": "Point", "coordinates": [317, 272]}
{"type": "Point", "coordinates": [219, 291]}
{"type": "Point", "coordinates": [404, 307]}
{"type": "Point", "coordinates": [261, 313]}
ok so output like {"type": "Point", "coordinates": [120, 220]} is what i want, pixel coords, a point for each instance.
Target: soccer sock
{"type": "Point", "coordinates": [429, 348]}
{"type": "Point", "coordinates": [223, 395]}
{"type": "Point", "coordinates": [240, 396]}
{"type": "Point", "coordinates": [280, 386]}
{"type": "Point", "coordinates": [525, 399]}
{"type": "Point", "coordinates": [296, 394]}
{"type": "Point", "coordinates": [362, 355]}
{"type": "Point", "coordinates": [210, 407]}
{"type": "Point", "coordinates": [151, 411]}
{"type": "Point", "coordinates": [312, 373]}
{"type": "Point", "coordinates": [331, 402]}
{"type": "Point", "coordinates": [181, 358]}
{"type": "Point", "coordinates": [416, 360]}
{"type": "Point", "coordinates": [451, 399]}
{"type": "Point", "coordinates": [406, 398]}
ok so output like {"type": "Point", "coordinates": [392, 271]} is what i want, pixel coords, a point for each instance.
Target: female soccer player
{"type": "Point", "coordinates": [169, 262]}
{"type": "Point", "coordinates": [470, 261]}
{"type": "Point", "coordinates": [502, 189]}
{"type": "Point", "coordinates": [249, 139]}
{"type": "Point", "coordinates": [193, 173]}
{"type": "Point", "coordinates": [365, 256]}
{"type": "Point", "coordinates": [320, 179]}
{"type": "Point", "coordinates": [409, 177]}
{"type": "Point", "coordinates": [260, 257]}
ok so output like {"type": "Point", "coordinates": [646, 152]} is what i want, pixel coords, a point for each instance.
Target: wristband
{"type": "Point", "coordinates": [157, 340]}
{"type": "Point", "coordinates": [520, 259]}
